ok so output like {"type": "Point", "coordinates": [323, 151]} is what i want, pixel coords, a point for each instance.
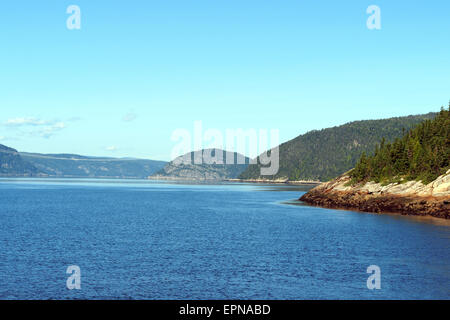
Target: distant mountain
{"type": "Point", "coordinates": [195, 166]}
{"type": "Point", "coordinates": [12, 164]}
{"type": "Point", "coordinates": [327, 153]}
{"type": "Point", "coordinates": [72, 165]}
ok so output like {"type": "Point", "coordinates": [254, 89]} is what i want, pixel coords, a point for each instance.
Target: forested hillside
{"type": "Point", "coordinates": [72, 165]}
{"type": "Point", "coordinates": [325, 154]}
{"type": "Point", "coordinates": [12, 164]}
{"type": "Point", "coordinates": [17, 164]}
{"type": "Point", "coordinates": [423, 154]}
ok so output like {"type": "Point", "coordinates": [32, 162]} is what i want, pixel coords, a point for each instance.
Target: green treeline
{"type": "Point", "coordinates": [423, 153]}
{"type": "Point", "coordinates": [327, 153]}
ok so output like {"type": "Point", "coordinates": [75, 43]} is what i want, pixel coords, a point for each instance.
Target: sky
{"type": "Point", "coordinates": [137, 71]}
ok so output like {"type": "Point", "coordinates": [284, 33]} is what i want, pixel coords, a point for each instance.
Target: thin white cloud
{"type": "Point", "coordinates": [35, 127]}
{"type": "Point", "coordinates": [26, 122]}
{"type": "Point", "coordinates": [130, 116]}
{"type": "Point", "coordinates": [48, 131]}
{"type": "Point", "coordinates": [111, 148]}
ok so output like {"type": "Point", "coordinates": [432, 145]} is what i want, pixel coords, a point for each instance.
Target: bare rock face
{"type": "Point", "coordinates": [410, 198]}
{"type": "Point", "coordinates": [441, 186]}
{"type": "Point", "coordinates": [204, 165]}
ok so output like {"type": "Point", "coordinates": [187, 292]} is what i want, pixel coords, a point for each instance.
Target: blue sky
{"type": "Point", "coordinates": [138, 70]}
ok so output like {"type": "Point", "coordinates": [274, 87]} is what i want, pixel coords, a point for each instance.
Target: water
{"type": "Point", "coordinates": [147, 240]}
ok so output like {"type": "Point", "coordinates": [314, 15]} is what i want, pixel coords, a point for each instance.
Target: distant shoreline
{"type": "Point", "coordinates": [278, 181]}
{"type": "Point", "coordinates": [44, 176]}
{"type": "Point", "coordinates": [259, 181]}
{"type": "Point", "coordinates": [162, 178]}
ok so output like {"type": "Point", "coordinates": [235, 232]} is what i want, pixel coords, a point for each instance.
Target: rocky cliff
{"type": "Point", "coordinates": [409, 198]}
{"type": "Point", "coordinates": [12, 164]}
{"type": "Point", "coordinates": [206, 164]}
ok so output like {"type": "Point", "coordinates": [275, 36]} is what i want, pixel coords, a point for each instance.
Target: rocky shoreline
{"type": "Point", "coordinates": [410, 198]}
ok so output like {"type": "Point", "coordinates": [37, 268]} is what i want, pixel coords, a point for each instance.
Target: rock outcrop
{"type": "Point", "coordinates": [409, 198]}
{"type": "Point", "coordinates": [204, 165]}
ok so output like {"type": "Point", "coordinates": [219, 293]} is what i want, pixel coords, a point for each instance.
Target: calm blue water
{"type": "Point", "coordinates": [144, 240]}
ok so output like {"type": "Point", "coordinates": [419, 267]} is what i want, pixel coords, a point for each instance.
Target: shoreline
{"type": "Point", "coordinates": [279, 181]}
{"type": "Point", "coordinates": [433, 207]}
{"type": "Point", "coordinates": [258, 181]}
{"type": "Point", "coordinates": [412, 217]}
{"type": "Point", "coordinates": [412, 198]}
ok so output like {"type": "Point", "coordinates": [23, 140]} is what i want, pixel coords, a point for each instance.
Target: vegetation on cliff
{"type": "Point", "coordinates": [327, 153]}
{"type": "Point", "coordinates": [422, 154]}
{"type": "Point", "coordinates": [18, 164]}
{"type": "Point", "coordinates": [12, 164]}
{"type": "Point", "coordinates": [206, 164]}
{"type": "Point", "coordinates": [72, 165]}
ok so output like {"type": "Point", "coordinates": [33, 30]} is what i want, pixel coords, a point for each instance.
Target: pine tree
{"type": "Point", "coordinates": [422, 153]}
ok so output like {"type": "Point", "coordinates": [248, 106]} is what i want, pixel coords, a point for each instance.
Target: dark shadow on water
{"type": "Point", "coordinates": [295, 202]}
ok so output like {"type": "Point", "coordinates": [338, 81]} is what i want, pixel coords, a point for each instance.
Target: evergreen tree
{"type": "Point", "coordinates": [423, 153]}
